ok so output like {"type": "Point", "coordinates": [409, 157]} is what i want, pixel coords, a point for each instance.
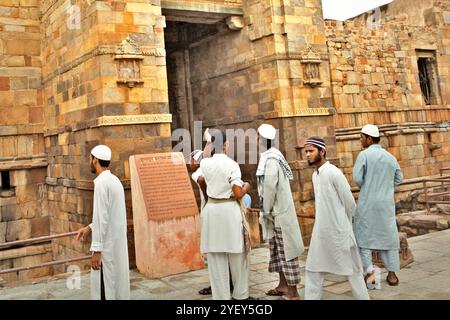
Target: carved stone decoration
{"type": "Point", "coordinates": [128, 57]}
{"type": "Point", "coordinates": [311, 67]}
{"type": "Point", "coordinates": [235, 22]}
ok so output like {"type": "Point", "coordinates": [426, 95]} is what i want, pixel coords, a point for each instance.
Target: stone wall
{"type": "Point", "coordinates": [375, 79]}
{"type": "Point", "coordinates": [374, 71]}
{"type": "Point", "coordinates": [23, 205]}
{"type": "Point", "coordinates": [83, 43]}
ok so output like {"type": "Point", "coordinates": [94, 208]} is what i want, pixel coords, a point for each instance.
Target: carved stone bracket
{"type": "Point", "coordinates": [235, 22]}
{"type": "Point", "coordinates": [128, 56]}
{"type": "Point", "coordinates": [311, 67]}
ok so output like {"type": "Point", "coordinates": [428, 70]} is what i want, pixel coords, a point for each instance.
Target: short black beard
{"type": "Point", "coordinates": [316, 161]}
{"type": "Point", "coordinates": [93, 168]}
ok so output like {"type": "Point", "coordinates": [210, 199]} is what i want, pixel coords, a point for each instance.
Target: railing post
{"type": "Point", "coordinates": [426, 196]}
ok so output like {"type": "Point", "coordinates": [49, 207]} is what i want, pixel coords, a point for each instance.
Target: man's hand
{"type": "Point", "coordinates": [96, 260]}
{"type": "Point", "coordinates": [83, 233]}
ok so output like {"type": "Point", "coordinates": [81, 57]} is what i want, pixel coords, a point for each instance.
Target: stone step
{"type": "Point", "coordinates": [419, 222]}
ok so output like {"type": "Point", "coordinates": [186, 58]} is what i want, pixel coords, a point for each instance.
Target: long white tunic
{"type": "Point", "coordinates": [333, 246]}
{"type": "Point", "coordinates": [222, 229]}
{"type": "Point", "coordinates": [109, 236]}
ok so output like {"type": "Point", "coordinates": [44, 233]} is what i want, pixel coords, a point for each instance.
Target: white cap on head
{"type": "Point", "coordinates": [102, 152]}
{"type": "Point", "coordinates": [267, 131]}
{"type": "Point", "coordinates": [371, 130]}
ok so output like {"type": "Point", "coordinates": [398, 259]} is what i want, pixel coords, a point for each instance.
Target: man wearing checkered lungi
{"type": "Point", "coordinates": [277, 215]}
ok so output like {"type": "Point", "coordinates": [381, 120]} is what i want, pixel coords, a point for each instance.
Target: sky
{"type": "Point", "coordinates": [346, 9]}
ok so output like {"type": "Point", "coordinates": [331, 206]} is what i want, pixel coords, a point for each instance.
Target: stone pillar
{"type": "Point", "coordinates": [105, 82]}
{"type": "Point", "coordinates": [294, 84]}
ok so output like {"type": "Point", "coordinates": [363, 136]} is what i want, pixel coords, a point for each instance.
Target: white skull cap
{"type": "Point", "coordinates": [371, 130]}
{"type": "Point", "coordinates": [267, 131]}
{"type": "Point", "coordinates": [102, 152]}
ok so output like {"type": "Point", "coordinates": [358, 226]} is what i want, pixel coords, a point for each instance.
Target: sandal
{"type": "Point", "coordinates": [275, 292]}
{"type": "Point", "coordinates": [371, 283]}
{"type": "Point", "coordinates": [205, 291]}
{"type": "Point", "coordinates": [394, 283]}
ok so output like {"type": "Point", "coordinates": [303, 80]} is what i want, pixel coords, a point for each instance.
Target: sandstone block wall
{"type": "Point", "coordinates": [23, 206]}
{"type": "Point", "coordinates": [375, 79]}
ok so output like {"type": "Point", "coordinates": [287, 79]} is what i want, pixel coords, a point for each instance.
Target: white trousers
{"type": "Point", "coordinates": [219, 267]}
{"type": "Point", "coordinates": [314, 284]}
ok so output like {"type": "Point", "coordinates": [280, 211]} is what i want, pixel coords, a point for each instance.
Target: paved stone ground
{"type": "Point", "coordinates": [428, 277]}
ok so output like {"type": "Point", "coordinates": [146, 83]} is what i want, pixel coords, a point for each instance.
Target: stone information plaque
{"type": "Point", "coordinates": [165, 184]}
{"type": "Point", "coordinates": [165, 215]}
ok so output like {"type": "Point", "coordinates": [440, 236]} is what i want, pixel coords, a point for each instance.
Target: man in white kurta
{"type": "Point", "coordinates": [110, 267]}
{"type": "Point", "coordinates": [333, 246]}
{"type": "Point", "coordinates": [222, 228]}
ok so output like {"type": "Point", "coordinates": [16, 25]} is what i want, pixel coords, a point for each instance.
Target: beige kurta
{"type": "Point", "coordinates": [279, 205]}
{"type": "Point", "coordinates": [222, 229]}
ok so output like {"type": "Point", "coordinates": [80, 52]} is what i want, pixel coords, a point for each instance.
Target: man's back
{"type": "Point", "coordinates": [377, 172]}
{"type": "Point", "coordinates": [109, 191]}
{"type": "Point", "coordinates": [376, 169]}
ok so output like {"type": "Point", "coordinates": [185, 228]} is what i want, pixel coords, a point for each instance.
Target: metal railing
{"type": "Point", "coordinates": [26, 242]}
{"type": "Point", "coordinates": [428, 197]}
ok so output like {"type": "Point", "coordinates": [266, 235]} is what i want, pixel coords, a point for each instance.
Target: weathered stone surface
{"type": "Point", "coordinates": [20, 47]}
{"type": "Point", "coordinates": [411, 232]}
{"type": "Point", "coordinates": [443, 208]}
{"type": "Point", "coordinates": [10, 213]}
{"type": "Point", "coordinates": [424, 221]}
{"type": "Point", "coordinates": [446, 17]}
{"type": "Point", "coordinates": [2, 232]}
{"type": "Point", "coordinates": [40, 227]}
{"type": "Point", "coordinates": [441, 224]}
{"type": "Point", "coordinates": [402, 219]}
{"type": "Point", "coordinates": [18, 230]}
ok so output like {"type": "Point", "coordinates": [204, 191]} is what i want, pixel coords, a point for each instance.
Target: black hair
{"type": "Point", "coordinates": [104, 163]}
{"type": "Point", "coordinates": [320, 149]}
{"type": "Point", "coordinates": [218, 139]}
{"type": "Point", "coordinates": [374, 139]}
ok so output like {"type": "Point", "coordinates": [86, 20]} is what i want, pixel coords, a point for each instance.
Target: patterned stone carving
{"type": "Point", "coordinates": [128, 57]}
{"type": "Point", "coordinates": [311, 67]}
{"type": "Point", "coordinates": [134, 119]}
{"type": "Point", "coordinates": [235, 22]}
